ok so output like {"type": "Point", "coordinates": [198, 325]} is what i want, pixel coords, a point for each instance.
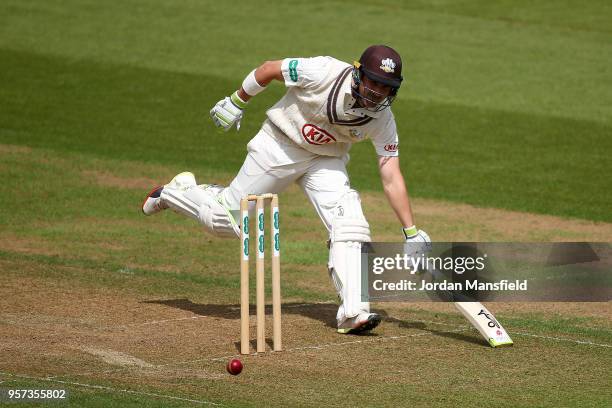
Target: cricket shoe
{"type": "Point", "coordinates": [361, 323]}
{"type": "Point", "coordinates": [153, 202]}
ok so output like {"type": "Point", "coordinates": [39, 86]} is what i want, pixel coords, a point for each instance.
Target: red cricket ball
{"type": "Point", "coordinates": [234, 366]}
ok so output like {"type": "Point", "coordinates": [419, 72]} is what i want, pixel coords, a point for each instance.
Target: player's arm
{"type": "Point", "coordinates": [259, 78]}
{"type": "Point", "coordinates": [396, 192]}
{"type": "Point", "coordinates": [228, 111]}
{"type": "Point", "coordinates": [395, 188]}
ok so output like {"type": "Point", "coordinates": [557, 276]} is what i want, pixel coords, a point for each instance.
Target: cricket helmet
{"type": "Point", "coordinates": [381, 64]}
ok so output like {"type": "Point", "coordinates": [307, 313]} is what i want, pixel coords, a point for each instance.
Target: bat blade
{"type": "Point", "coordinates": [484, 321]}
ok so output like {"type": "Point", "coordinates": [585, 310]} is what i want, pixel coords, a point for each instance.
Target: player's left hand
{"type": "Point", "coordinates": [227, 112]}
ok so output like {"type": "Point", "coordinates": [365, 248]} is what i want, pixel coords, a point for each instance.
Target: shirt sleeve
{"type": "Point", "coordinates": [386, 140]}
{"type": "Point", "coordinates": [305, 72]}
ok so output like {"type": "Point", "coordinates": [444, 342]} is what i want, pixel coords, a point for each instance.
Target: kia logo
{"type": "Point", "coordinates": [391, 147]}
{"type": "Point", "coordinates": [315, 135]}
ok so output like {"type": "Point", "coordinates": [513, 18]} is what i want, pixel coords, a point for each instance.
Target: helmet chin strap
{"type": "Point", "coordinates": [357, 97]}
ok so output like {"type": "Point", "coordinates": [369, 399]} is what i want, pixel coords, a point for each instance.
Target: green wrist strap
{"type": "Point", "coordinates": [237, 101]}
{"type": "Point", "coordinates": [410, 231]}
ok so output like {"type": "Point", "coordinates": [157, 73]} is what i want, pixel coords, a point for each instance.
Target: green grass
{"type": "Point", "coordinates": [506, 104]}
{"type": "Point", "coordinates": [95, 395]}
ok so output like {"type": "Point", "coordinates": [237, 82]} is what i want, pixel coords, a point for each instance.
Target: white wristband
{"type": "Point", "coordinates": [250, 85]}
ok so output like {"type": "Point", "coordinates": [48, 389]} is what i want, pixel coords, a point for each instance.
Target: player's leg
{"type": "Point", "coordinates": [266, 169]}
{"type": "Point", "coordinates": [327, 186]}
{"type": "Point", "coordinates": [200, 202]}
{"type": "Point", "coordinates": [271, 166]}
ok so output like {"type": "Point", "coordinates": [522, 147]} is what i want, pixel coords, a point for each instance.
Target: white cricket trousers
{"type": "Point", "coordinates": [274, 162]}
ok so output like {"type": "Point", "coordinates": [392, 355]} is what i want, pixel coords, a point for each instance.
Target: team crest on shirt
{"type": "Point", "coordinates": [314, 135]}
{"type": "Point", "coordinates": [356, 134]}
{"type": "Point", "coordinates": [387, 65]}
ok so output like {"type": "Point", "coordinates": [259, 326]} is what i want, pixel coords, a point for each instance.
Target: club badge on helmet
{"type": "Point", "coordinates": [383, 65]}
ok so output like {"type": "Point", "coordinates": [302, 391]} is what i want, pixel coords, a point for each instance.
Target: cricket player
{"type": "Point", "coordinates": [328, 106]}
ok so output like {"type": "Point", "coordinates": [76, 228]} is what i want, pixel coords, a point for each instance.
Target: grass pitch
{"type": "Point", "coordinates": [506, 106]}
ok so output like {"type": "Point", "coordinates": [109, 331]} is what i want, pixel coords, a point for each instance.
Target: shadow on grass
{"type": "Point", "coordinates": [422, 326]}
{"type": "Point", "coordinates": [323, 312]}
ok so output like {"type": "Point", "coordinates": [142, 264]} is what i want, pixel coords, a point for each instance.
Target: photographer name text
{"type": "Point", "coordinates": [407, 285]}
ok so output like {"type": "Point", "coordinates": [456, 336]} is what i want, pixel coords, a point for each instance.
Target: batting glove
{"type": "Point", "coordinates": [417, 241]}
{"type": "Point", "coordinates": [228, 111]}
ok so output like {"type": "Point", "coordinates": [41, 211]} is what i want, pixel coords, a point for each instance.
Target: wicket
{"type": "Point", "coordinates": [260, 288]}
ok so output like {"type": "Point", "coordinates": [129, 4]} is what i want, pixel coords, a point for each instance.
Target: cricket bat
{"type": "Point", "coordinates": [480, 317]}
{"type": "Point", "coordinates": [484, 321]}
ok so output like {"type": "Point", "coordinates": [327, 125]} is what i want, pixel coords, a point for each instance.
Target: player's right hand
{"type": "Point", "coordinates": [228, 111]}
{"type": "Point", "coordinates": [417, 242]}
{"type": "Point", "coordinates": [419, 236]}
